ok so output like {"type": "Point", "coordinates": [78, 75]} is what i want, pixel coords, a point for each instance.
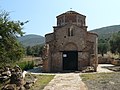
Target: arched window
{"type": "Point", "coordinates": [70, 31]}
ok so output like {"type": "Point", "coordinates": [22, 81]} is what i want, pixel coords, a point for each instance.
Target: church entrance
{"type": "Point", "coordinates": [70, 60]}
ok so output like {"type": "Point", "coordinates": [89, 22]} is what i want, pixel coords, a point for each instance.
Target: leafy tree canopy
{"type": "Point", "coordinates": [34, 50]}
{"type": "Point", "coordinates": [103, 46]}
{"type": "Point", "coordinates": [10, 49]}
{"type": "Point", "coordinates": [115, 43]}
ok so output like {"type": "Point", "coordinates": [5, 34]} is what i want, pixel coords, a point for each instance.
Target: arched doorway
{"type": "Point", "coordinates": [70, 57]}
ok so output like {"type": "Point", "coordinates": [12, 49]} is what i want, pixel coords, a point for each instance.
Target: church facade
{"type": "Point", "coordinates": [70, 47]}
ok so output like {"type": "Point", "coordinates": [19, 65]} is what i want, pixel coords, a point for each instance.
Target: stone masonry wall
{"type": "Point", "coordinates": [85, 43]}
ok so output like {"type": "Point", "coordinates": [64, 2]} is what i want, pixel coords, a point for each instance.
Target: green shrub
{"type": "Point", "coordinates": [26, 65]}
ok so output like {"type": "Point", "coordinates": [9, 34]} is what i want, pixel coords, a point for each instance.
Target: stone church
{"type": "Point", "coordinates": [70, 47]}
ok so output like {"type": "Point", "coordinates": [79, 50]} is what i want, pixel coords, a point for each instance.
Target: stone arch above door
{"type": "Point", "coordinates": [70, 47]}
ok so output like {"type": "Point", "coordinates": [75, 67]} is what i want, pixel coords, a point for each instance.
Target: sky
{"type": "Point", "coordinates": [42, 13]}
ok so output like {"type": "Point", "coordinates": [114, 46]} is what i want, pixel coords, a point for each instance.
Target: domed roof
{"type": "Point", "coordinates": [71, 12]}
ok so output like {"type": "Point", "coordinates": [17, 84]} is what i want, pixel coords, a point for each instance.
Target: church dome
{"type": "Point", "coordinates": [71, 17]}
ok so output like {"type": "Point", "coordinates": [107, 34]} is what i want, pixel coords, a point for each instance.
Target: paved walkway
{"type": "Point", "coordinates": [103, 68]}
{"type": "Point", "coordinates": [68, 81]}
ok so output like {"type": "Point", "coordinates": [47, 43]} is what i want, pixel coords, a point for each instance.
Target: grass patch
{"type": "Point", "coordinates": [42, 81]}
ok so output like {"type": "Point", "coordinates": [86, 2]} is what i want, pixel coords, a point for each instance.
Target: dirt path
{"type": "Point", "coordinates": [68, 81]}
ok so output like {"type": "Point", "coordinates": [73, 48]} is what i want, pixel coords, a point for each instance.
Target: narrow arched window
{"type": "Point", "coordinates": [70, 31]}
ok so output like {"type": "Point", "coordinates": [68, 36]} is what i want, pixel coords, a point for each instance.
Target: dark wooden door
{"type": "Point", "coordinates": [70, 60]}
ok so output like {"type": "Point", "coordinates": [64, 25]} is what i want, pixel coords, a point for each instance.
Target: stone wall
{"type": "Point", "coordinates": [83, 60]}
{"type": "Point", "coordinates": [116, 62]}
{"type": "Point", "coordinates": [105, 60]}
{"type": "Point", "coordinates": [78, 38]}
{"type": "Point", "coordinates": [56, 62]}
{"type": "Point", "coordinates": [49, 37]}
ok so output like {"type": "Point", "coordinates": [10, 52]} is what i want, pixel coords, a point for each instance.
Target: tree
{"type": "Point", "coordinates": [10, 48]}
{"type": "Point", "coordinates": [115, 43]}
{"type": "Point", "coordinates": [113, 46]}
{"type": "Point", "coordinates": [34, 50]}
{"type": "Point", "coordinates": [102, 46]}
{"type": "Point", "coordinates": [118, 43]}
{"type": "Point", "coordinates": [28, 50]}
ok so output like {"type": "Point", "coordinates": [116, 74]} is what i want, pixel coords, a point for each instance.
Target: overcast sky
{"type": "Point", "coordinates": [42, 13]}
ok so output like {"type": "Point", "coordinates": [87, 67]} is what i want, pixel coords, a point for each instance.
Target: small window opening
{"type": "Point", "coordinates": [70, 31]}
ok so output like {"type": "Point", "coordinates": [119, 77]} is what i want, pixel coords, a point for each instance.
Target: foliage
{"type": "Point", "coordinates": [109, 44]}
{"type": "Point", "coordinates": [10, 49]}
{"type": "Point", "coordinates": [35, 50]}
{"type": "Point", "coordinates": [26, 65]}
{"type": "Point", "coordinates": [103, 46]}
{"type": "Point", "coordinates": [115, 43]}
{"type": "Point", "coordinates": [105, 34]}
{"type": "Point", "coordinates": [28, 50]}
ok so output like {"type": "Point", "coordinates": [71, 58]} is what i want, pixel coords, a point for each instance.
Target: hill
{"type": "Point", "coordinates": [31, 40]}
{"type": "Point", "coordinates": [106, 32]}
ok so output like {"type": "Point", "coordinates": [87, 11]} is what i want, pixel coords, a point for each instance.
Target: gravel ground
{"type": "Point", "coordinates": [102, 81]}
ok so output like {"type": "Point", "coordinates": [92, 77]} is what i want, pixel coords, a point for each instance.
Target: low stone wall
{"type": "Point", "coordinates": [116, 62]}
{"type": "Point", "coordinates": [14, 79]}
{"type": "Point", "coordinates": [108, 60]}
{"type": "Point", "coordinates": [105, 60]}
